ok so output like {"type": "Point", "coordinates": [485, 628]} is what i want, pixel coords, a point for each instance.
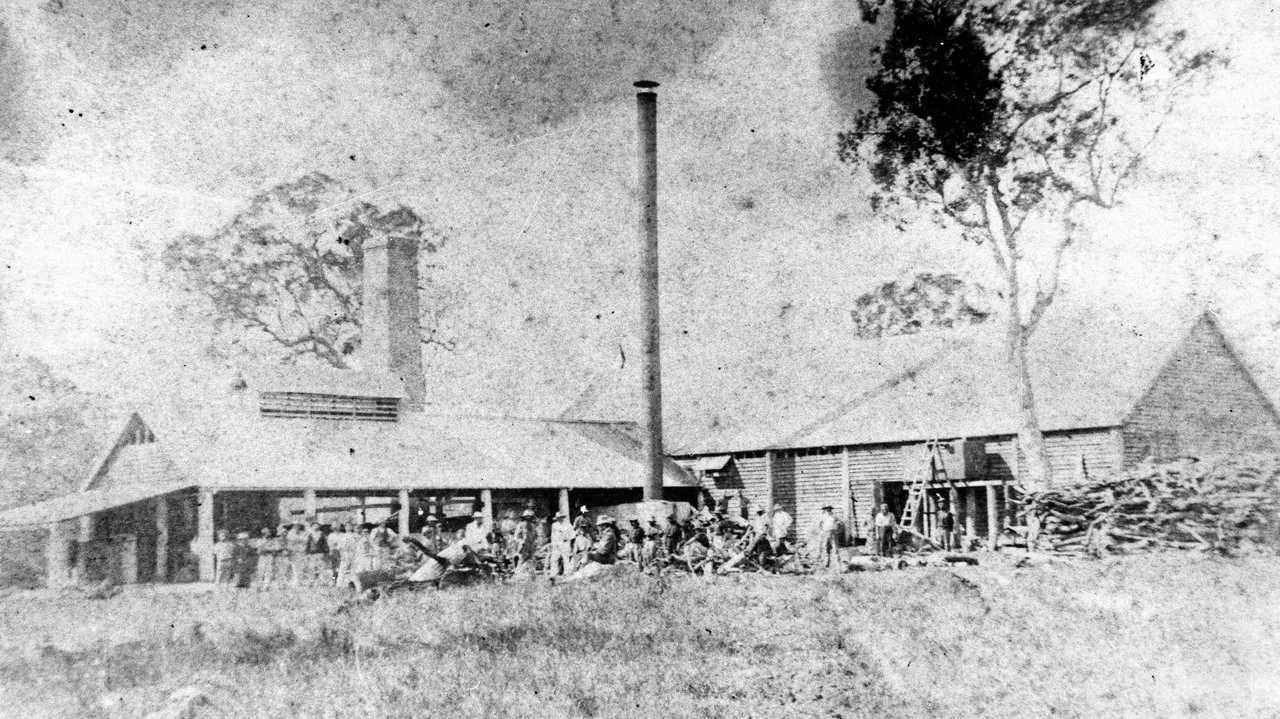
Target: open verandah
{"type": "Point", "coordinates": [165, 533]}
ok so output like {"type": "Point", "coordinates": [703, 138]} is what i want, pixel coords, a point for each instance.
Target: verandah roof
{"type": "Point", "coordinates": [79, 504]}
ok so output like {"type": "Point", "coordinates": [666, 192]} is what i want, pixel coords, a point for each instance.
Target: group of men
{"type": "Point", "coordinates": [298, 555]}
{"type": "Point", "coordinates": [302, 555]}
{"type": "Point", "coordinates": [887, 530]}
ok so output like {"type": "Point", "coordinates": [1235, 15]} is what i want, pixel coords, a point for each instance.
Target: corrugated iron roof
{"type": "Point", "coordinates": [82, 503]}
{"type": "Point", "coordinates": [233, 448]}
{"type": "Point", "coordinates": [1087, 371]}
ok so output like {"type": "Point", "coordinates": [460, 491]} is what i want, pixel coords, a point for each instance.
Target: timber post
{"type": "Point", "coordinates": [953, 507]}
{"type": "Point", "coordinates": [84, 538]}
{"type": "Point", "coordinates": [768, 481]}
{"type": "Point", "coordinates": [310, 508]}
{"type": "Point", "coordinates": [563, 503]}
{"type": "Point", "coordinates": [846, 481]}
{"type": "Point", "coordinates": [486, 498]}
{"type": "Point", "coordinates": [57, 558]}
{"type": "Point", "coordinates": [993, 518]}
{"type": "Point", "coordinates": [971, 513]}
{"type": "Point", "coordinates": [204, 535]}
{"type": "Point", "coordinates": [402, 527]}
{"type": "Point", "coordinates": [160, 506]}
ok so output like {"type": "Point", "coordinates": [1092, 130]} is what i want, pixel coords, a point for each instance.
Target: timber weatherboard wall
{"type": "Point", "coordinates": [804, 479]}
{"type": "Point", "coordinates": [1077, 455]}
{"type": "Point", "coordinates": [742, 483]}
{"type": "Point", "coordinates": [1203, 401]}
{"type": "Point", "coordinates": [869, 466]}
{"type": "Point", "coordinates": [818, 480]}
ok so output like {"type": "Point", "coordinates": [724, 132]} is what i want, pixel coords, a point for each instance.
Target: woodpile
{"type": "Point", "coordinates": [1222, 506]}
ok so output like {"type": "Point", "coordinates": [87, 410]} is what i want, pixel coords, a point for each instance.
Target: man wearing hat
{"type": "Point", "coordinates": [476, 534]}
{"type": "Point", "coordinates": [760, 547]}
{"type": "Point", "coordinates": [561, 545]}
{"type": "Point", "coordinates": [605, 549]}
{"type": "Point", "coordinates": [525, 541]}
{"type": "Point", "coordinates": [431, 534]}
{"type": "Point", "coordinates": [827, 526]}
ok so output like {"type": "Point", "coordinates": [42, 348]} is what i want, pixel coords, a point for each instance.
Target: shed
{"type": "Point", "coordinates": [843, 427]}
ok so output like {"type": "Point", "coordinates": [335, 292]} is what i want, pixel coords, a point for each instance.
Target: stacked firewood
{"type": "Point", "coordinates": [1220, 505]}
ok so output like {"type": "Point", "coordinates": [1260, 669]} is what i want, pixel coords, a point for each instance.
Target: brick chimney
{"type": "Point", "coordinates": [391, 338]}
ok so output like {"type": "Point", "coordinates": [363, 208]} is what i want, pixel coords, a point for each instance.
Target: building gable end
{"type": "Point", "coordinates": [1203, 400]}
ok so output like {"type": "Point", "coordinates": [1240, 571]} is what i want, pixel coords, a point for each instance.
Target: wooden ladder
{"type": "Point", "coordinates": [931, 467]}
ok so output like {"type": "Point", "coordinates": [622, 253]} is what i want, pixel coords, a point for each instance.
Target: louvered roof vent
{"type": "Point", "coordinates": [328, 406]}
{"type": "Point", "coordinates": [330, 394]}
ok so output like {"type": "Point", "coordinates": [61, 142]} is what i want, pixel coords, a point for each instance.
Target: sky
{"type": "Point", "coordinates": [124, 124]}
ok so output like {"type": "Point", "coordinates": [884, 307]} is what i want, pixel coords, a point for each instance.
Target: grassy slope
{"type": "Point", "coordinates": [1154, 636]}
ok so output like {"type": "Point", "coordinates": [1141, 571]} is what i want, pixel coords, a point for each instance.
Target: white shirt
{"type": "Point", "coordinates": [884, 519]}
{"type": "Point", "coordinates": [476, 535]}
{"type": "Point", "coordinates": [781, 523]}
{"type": "Point", "coordinates": [827, 523]}
{"type": "Point", "coordinates": [562, 534]}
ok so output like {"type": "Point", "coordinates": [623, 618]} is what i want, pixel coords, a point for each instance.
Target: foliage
{"type": "Point", "coordinates": [930, 300]}
{"type": "Point", "coordinates": [1047, 106]}
{"type": "Point", "coordinates": [287, 268]}
{"type": "Point", "coordinates": [1003, 120]}
{"type": "Point", "coordinates": [50, 433]}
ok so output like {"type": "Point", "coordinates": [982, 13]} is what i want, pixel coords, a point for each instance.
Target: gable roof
{"type": "Point", "coordinates": [1087, 371]}
{"type": "Point", "coordinates": [229, 449]}
{"type": "Point", "coordinates": [234, 447]}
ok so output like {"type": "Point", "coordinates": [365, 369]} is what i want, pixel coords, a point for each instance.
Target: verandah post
{"type": "Point", "coordinates": [993, 518]}
{"type": "Point", "coordinates": [160, 505]}
{"type": "Point", "coordinates": [204, 535]}
{"type": "Point", "coordinates": [57, 558]}
{"type": "Point", "coordinates": [403, 527]}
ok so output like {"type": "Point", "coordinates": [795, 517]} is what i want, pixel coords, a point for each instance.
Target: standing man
{"type": "Point", "coordinates": [779, 528]}
{"type": "Point", "coordinates": [635, 533]}
{"type": "Point", "coordinates": [269, 548]}
{"type": "Point", "coordinates": [296, 549]}
{"type": "Point", "coordinates": [317, 554]}
{"type": "Point", "coordinates": [224, 560]}
{"type": "Point", "coordinates": [947, 525]}
{"type": "Point", "coordinates": [561, 545]}
{"type": "Point", "coordinates": [827, 527]}
{"type": "Point", "coordinates": [525, 542]}
{"type": "Point", "coordinates": [671, 537]}
{"type": "Point", "coordinates": [507, 527]}
{"type": "Point", "coordinates": [886, 525]}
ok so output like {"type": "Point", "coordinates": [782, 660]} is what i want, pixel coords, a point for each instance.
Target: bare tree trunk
{"type": "Point", "coordinates": [1036, 474]}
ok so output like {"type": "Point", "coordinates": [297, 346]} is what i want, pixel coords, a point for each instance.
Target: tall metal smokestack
{"type": "Point", "coordinates": [650, 355]}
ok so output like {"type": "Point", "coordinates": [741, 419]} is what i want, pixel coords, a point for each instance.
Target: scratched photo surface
{"type": "Point", "coordinates": [1003, 267]}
